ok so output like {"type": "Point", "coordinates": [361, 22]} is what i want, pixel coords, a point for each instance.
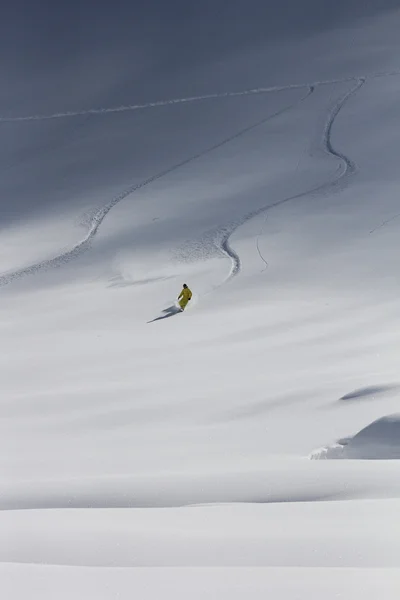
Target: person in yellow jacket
{"type": "Point", "coordinates": [184, 296]}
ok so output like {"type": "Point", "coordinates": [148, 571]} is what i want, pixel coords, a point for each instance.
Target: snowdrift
{"type": "Point", "coordinates": [378, 441]}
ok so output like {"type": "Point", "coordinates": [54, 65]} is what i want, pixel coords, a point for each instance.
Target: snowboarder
{"type": "Point", "coordinates": [184, 297]}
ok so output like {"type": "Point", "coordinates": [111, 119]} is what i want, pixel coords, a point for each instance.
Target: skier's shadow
{"type": "Point", "coordinates": [167, 313]}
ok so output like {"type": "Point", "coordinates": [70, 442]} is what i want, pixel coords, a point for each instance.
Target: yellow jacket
{"type": "Point", "coordinates": [185, 294]}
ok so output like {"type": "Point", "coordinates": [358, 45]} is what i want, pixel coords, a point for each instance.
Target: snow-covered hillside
{"type": "Point", "coordinates": [257, 161]}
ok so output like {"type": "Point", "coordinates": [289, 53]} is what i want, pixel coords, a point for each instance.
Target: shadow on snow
{"type": "Point", "coordinates": [166, 313]}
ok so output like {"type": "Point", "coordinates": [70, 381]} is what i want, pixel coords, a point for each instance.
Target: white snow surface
{"type": "Point", "coordinates": [378, 441]}
{"type": "Point", "coordinates": [151, 454]}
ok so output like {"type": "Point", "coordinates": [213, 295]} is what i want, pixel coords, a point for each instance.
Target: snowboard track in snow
{"type": "Point", "coordinates": [222, 237]}
{"type": "Point", "coordinates": [189, 99]}
{"type": "Point", "coordinates": [347, 167]}
{"type": "Point", "coordinates": [101, 214]}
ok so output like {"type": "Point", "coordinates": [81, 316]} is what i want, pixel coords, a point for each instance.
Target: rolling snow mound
{"type": "Point", "coordinates": [378, 441]}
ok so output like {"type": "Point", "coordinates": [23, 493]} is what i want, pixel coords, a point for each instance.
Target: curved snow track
{"type": "Point", "coordinates": [347, 166]}
{"type": "Point", "coordinates": [101, 214]}
{"type": "Point", "coordinates": [222, 237]}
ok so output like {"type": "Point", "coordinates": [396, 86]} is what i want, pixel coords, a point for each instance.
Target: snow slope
{"type": "Point", "coordinates": [149, 453]}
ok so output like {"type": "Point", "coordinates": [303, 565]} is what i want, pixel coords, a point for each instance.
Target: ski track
{"type": "Point", "coordinates": [200, 98]}
{"type": "Point", "coordinates": [159, 103]}
{"type": "Point", "coordinates": [385, 223]}
{"type": "Point", "coordinates": [348, 168]}
{"type": "Point", "coordinates": [222, 240]}
{"type": "Point", "coordinates": [101, 214]}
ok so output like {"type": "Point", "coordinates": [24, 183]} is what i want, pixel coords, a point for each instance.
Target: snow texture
{"type": "Point", "coordinates": [251, 152]}
{"type": "Point", "coordinates": [380, 440]}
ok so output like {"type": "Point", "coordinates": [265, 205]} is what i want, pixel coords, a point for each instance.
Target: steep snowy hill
{"type": "Point", "coordinates": [252, 153]}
